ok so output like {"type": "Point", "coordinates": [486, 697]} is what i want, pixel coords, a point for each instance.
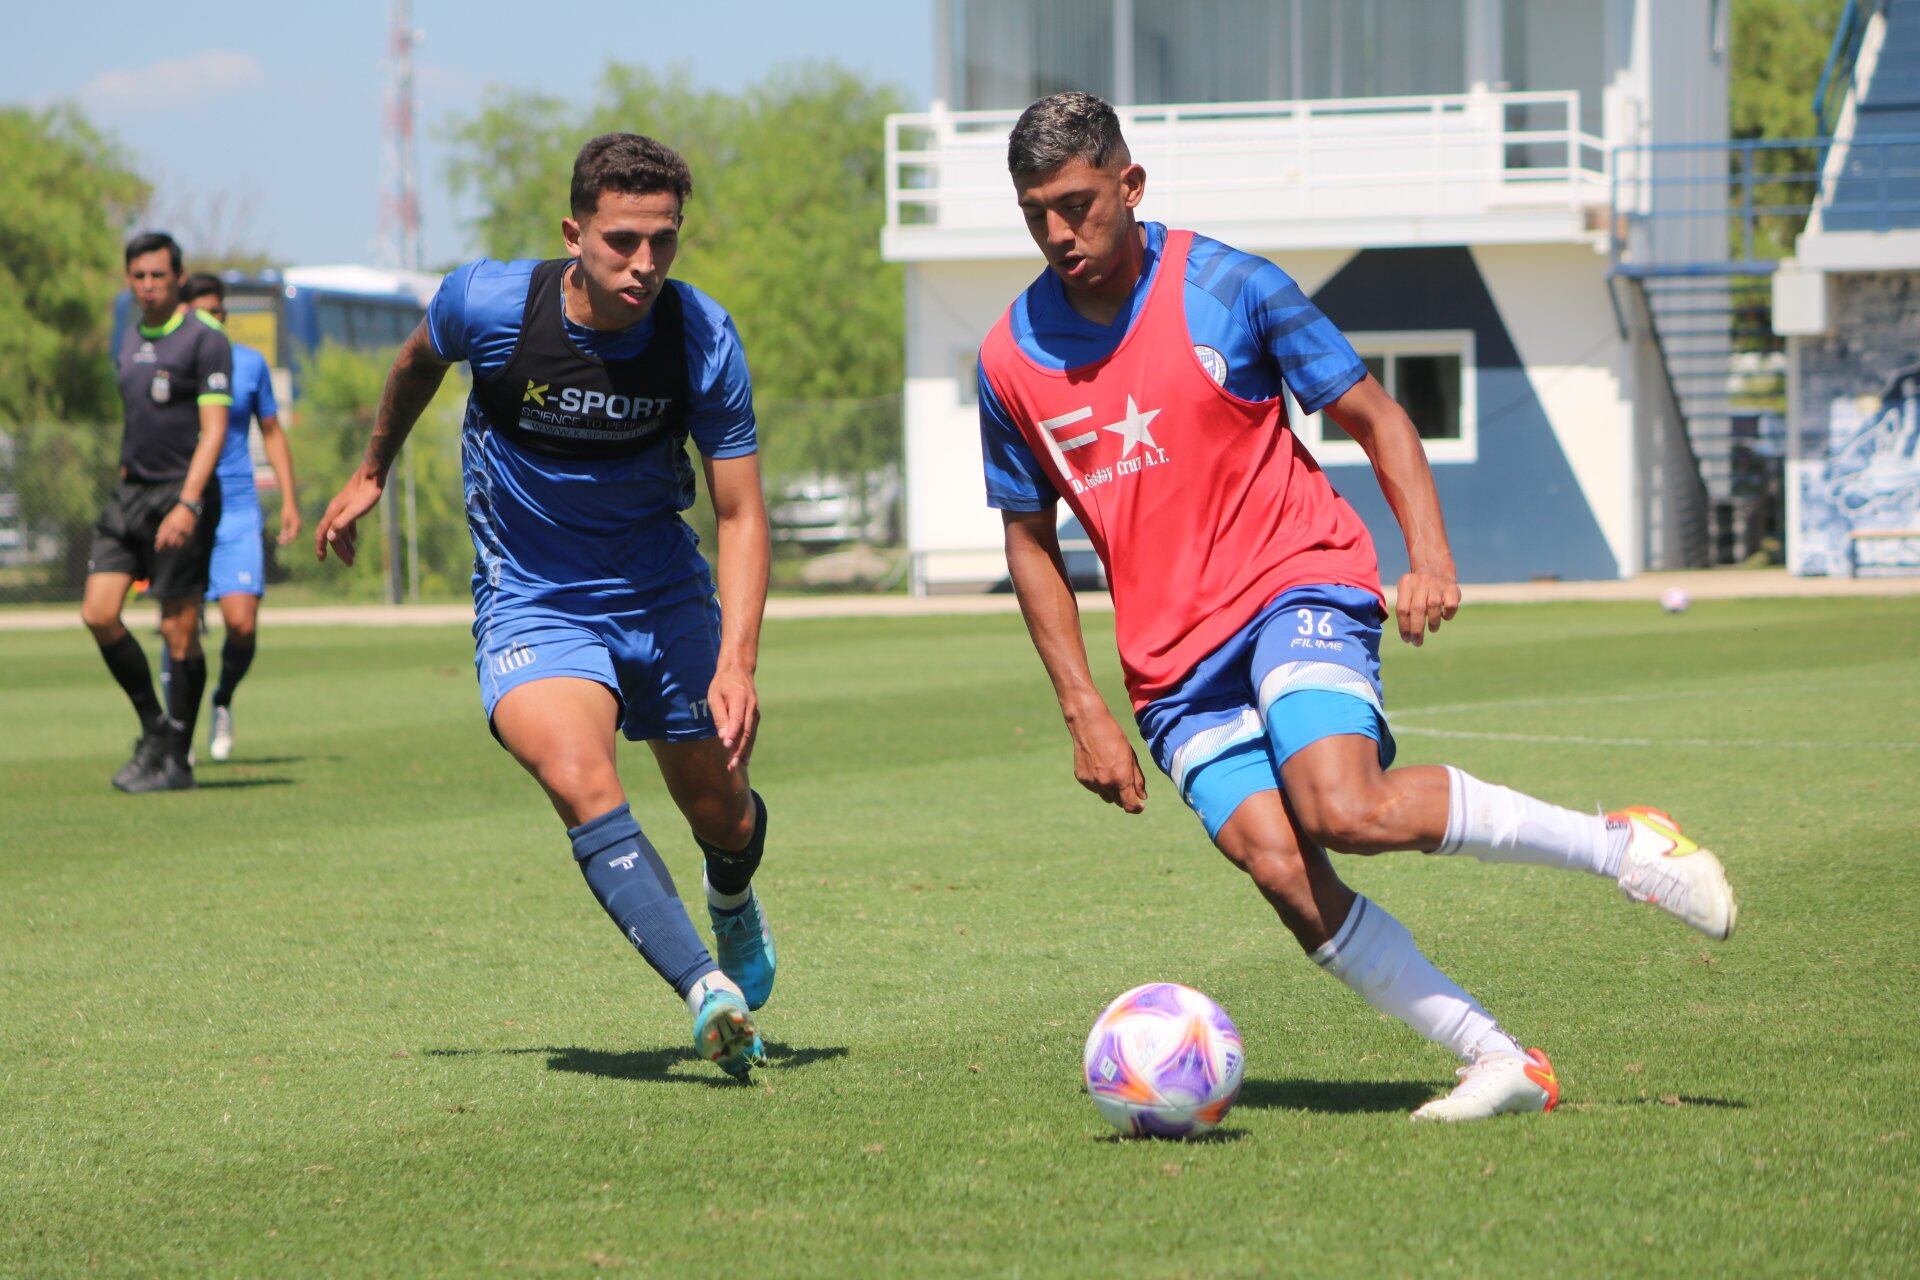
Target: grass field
{"type": "Point", "coordinates": [348, 1010]}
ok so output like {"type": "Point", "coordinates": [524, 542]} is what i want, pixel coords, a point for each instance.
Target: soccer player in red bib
{"type": "Point", "coordinates": [1139, 379]}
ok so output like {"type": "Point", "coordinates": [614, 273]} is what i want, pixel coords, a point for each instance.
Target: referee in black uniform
{"type": "Point", "coordinates": [176, 375]}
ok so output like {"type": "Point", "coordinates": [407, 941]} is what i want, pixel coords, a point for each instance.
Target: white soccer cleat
{"type": "Point", "coordinates": [1663, 867]}
{"type": "Point", "coordinates": [220, 736]}
{"type": "Point", "coordinates": [1498, 1084]}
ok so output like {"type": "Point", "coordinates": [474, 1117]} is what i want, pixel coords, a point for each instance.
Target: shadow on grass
{"type": "Point", "coordinates": [655, 1065]}
{"type": "Point", "coordinates": [237, 784]}
{"type": "Point", "coordinates": [1334, 1096]}
{"type": "Point", "coordinates": [1688, 1100]}
{"type": "Point", "coordinates": [1217, 1137]}
{"type": "Point", "coordinates": [268, 760]}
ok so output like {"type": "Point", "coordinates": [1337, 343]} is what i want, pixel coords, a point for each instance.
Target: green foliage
{"type": "Point", "coordinates": [1779, 48]}
{"type": "Point", "coordinates": [340, 390]}
{"type": "Point", "coordinates": [66, 196]}
{"type": "Point", "coordinates": [65, 203]}
{"type": "Point", "coordinates": [783, 229]}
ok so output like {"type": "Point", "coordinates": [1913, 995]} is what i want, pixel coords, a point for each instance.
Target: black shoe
{"type": "Point", "coordinates": [148, 749]}
{"type": "Point", "coordinates": [169, 771]}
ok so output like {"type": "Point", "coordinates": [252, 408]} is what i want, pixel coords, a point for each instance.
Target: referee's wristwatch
{"type": "Point", "coordinates": [198, 508]}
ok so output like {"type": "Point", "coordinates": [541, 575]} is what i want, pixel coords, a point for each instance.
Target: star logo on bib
{"type": "Point", "coordinates": [1133, 428]}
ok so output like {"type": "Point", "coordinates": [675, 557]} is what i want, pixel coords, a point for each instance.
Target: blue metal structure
{"type": "Point", "coordinates": [1836, 77]}
{"type": "Point", "coordinates": [1877, 187]}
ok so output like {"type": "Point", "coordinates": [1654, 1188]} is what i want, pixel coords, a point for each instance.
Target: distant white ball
{"type": "Point", "coordinates": [1164, 1061]}
{"type": "Point", "coordinates": [1674, 600]}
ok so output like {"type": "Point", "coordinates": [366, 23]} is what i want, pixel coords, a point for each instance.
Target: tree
{"type": "Point", "coordinates": [64, 208]}
{"type": "Point", "coordinates": [1779, 49]}
{"type": "Point", "coordinates": [65, 203]}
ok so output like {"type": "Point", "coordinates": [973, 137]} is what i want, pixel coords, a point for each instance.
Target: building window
{"type": "Point", "coordinates": [1430, 374]}
{"type": "Point", "coordinates": [1010, 52]}
{"type": "Point", "coordinates": [1006, 53]}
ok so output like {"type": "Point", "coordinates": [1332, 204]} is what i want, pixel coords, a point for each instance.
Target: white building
{"type": "Point", "coordinates": [1439, 175]}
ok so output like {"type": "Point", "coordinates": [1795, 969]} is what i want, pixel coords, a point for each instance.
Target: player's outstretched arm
{"type": "Point", "coordinates": [740, 510]}
{"type": "Point", "coordinates": [1103, 759]}
{"type": "Point", "coordinates": [1429, 592]}
{"type": "Point", "coordinates": [416, 374]}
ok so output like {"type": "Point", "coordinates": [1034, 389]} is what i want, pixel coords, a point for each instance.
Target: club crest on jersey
{"type": "Point", "coordinates": [1067, 432]}
{"type": "Point", "coordinates": [1213, 362]}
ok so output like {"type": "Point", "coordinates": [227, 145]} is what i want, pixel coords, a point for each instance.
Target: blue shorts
{"type": "Point", "coordinates": [1307, 667]}
{"type": "Point", "coordinates": [239, 553]}
{"type": "Point", "coordinates": [657, 653]}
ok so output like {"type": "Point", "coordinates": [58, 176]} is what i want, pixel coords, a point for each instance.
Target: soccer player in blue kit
{"type": "Point", "coordinates": [237, 577]}
{"type": "Point", "coordinates": [593, 608]}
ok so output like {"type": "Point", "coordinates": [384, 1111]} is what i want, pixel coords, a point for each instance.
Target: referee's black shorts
{"type": "Point", "coordinates": [123, 538]}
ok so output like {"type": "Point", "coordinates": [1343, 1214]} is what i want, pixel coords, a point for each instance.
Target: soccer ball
{"type": "Point", "coordinates": [1675, 600]}
{"type": "Point", "coordinates": [1164, 1061]}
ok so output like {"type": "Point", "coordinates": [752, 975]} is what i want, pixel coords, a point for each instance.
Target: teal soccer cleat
{"type": "Point", "coordinates": [723, 1034]}
{"type": "Point", "coordinates": [743, 945]}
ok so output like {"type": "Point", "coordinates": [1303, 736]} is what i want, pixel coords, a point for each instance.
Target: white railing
{"type": "Point", "coordinates": [1441, 156]}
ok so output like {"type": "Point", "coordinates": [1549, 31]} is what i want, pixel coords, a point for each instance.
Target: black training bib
{"type": "Point", "coordinates": [553, 398]}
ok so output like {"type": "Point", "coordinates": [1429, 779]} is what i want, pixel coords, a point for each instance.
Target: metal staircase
{"type": "Point", "coordinates": [1698, 231]}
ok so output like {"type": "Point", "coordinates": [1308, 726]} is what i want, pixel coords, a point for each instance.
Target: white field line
{"type": "Point", "coordinates": [1877, 686]}
{"type": "Point", "coordinates": [1397, 720]}
{"type": "Point", "coordinates": [1580, 740]}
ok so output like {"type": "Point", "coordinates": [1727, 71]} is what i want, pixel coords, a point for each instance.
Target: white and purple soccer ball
{"type": "Point", "coordinates": [1164, 1061]}
{"type": "Point", "coordinates": [1675, 600]}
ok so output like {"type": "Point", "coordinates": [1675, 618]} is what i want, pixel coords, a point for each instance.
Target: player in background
{"type": "Point", "coordinates": [175, 372]}
{"type": "Point", "coordinates": [593, 609]}
{"type": "Point", "coordinates": [1139, 378]}
{"type": "Point", "coordinates": [237, 577]}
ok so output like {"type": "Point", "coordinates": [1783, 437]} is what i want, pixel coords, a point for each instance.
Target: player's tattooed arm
{"type": "Point", "coordinates": [1103, 759]}
{"type": "Point", "coordinates": [416, 374]}
{"type": "Point", "coordinates": [1429, 592]}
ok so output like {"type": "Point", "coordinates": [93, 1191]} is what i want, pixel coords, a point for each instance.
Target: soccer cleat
{"type": "Point", "coordinates": [1497, 1084]}
{"type": "Point", "coordinates": [723, 1034]}
{"type": "Point", "coordinates": [148, 748]}
{"type": "Point", "coordinates": [743, 945]}
{"type": "Point", "coordinates": [168, 771]}
{"type": "Point", "coordinates": [220, 734]}
{"type": "Point", "coordinates": [1663, 867]}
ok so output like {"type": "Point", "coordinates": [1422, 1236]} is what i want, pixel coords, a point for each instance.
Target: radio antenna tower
{"type": "Point", "coordinates": [400, 249]}
{"type": "Point", "coordinates": [399, 187]}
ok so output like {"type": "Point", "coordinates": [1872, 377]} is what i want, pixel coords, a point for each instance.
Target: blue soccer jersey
{"type": "Point", "coordinates": [583, 567]}
{"type": "Point", "coordinates": [546, 526]}
{"type": "Point", "coordinates": [252, 398]}
{"type": "Point", "coordinates": [1253, 328]}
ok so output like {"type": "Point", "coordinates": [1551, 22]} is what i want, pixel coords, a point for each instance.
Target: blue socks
{"type": "Point", "coordinates": [632, 884]}
{"type": "Point", "coordinates": [730, 871]}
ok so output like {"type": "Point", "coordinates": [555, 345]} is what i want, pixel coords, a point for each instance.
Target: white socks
{"type": "Point", "coordinates": [697, 994]}
{"type": "Point", "coordinates": [1375, 955]}
{"type": "Point", "coordinates": [1495, 824]}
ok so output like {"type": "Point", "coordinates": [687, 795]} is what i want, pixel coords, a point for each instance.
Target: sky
{"type": "Point", "coordinates": [260, 123]}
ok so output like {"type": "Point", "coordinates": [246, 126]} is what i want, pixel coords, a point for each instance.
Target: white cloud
{"type": "Point", "coordinates": [172, 82]}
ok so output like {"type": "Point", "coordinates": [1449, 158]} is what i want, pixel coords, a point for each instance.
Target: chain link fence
{"type": "Point", "coordinates": [831, 474]}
